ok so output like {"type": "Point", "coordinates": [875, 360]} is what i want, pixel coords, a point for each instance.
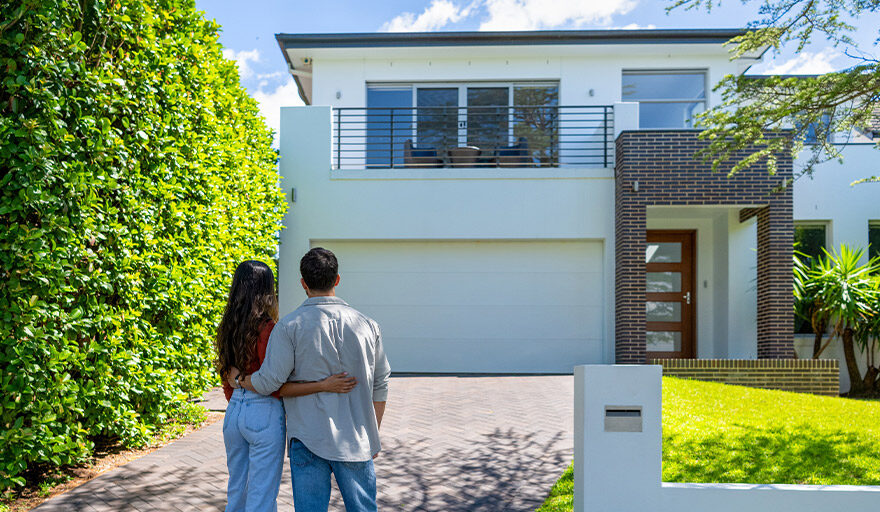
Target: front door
{"type": "Point", "coordinates": [670, 294]}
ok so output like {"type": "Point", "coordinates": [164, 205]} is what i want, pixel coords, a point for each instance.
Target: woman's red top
{"type": "Point", "coordinates": [262, 342]}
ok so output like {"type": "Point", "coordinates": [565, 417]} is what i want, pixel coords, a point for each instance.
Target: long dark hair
{"type": "Point", "coordinates": [252, 302]}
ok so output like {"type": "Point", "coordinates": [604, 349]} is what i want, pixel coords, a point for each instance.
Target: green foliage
{"type": "Point", "coordinates": [845, 294]}
{"type": "Point", "coordinates": [843, 287]}
{"type": "Point", "coordinates": [755, 111]}
{"type": "Point", "coordinates": [561, 498]}
{"type": "Point", "coordinates": [135, 173]}
{"type": "Point", "coordinates": [808, 307]}
{"type": "Point", "coordinates": [729, 434]}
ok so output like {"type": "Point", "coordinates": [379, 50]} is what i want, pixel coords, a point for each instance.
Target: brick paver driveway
{"type": "Point", "coordinates": [449, 444]}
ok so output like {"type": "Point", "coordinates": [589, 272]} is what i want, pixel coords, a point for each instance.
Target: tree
{"type": "Point", "coordinates": [846, 295]}
{"type": "Point", "coordinates": [135, 174]}
{"type": "Point", "coordinates": [755, 110]}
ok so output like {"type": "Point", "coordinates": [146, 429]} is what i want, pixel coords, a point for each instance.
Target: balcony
{"type": "Point", "coordinates": [473, 137]}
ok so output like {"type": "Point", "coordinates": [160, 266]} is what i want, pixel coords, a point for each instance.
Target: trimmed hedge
{"type": "Point", "coordinates": [136, 174]}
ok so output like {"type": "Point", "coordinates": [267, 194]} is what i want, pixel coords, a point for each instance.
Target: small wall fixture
{"type": "Point", "coordinates": [338, 94]}
{"type": "Point", "coordinates": [635, 186]}
{"type": "Point", "coordinates": [591, 93]}
{"type": "Point", "coordinates": [293, 195]}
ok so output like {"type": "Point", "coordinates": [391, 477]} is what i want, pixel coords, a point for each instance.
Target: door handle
{"type": "Point", "coordinates": [687, 297]}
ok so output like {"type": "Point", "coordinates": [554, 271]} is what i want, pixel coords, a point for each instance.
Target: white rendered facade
{"type": "Point", "coordinates": [448, 260]}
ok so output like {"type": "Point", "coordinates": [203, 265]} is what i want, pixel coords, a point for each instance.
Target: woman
{"type": "Point", "coordinates": [253, 429]}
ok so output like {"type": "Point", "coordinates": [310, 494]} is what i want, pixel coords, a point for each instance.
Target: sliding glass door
{"type": "Point", "coordinates": [389, 120]}
{"type": "Point", "coordinates": [437, 125]}
{"type": "Point", "coordinates": [488, 117]}
{"type": "Point", "coordinates": [506, 123]}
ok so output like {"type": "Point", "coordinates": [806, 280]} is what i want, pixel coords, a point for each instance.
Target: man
{"type": "Point", "coordinates": [328, 432]}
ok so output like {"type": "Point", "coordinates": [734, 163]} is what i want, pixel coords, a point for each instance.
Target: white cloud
{"type": "Point", "coordinates": [437, 15]}
{"type": "Point", "coordinates": [634, 26]}
{"type": "Point", "coordinates": [242, 58]}
{"type": "Point", "coordinates": [285, 95]}
{"type": "Point", "coordinates": [268, 76]}
{"type": "Point", "coordinates": [541, 14]}
{"type": "Point", "coordinates": [806, 63]}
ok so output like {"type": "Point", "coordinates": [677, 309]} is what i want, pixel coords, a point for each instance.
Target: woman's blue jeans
{"type": "Point", "coordinates": [311, 481]}
{"type": "Point", "coordinates": [254, 434]}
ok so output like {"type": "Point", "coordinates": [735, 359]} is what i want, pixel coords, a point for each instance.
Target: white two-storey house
{"type": "Point", "coordinates": [523, 202]}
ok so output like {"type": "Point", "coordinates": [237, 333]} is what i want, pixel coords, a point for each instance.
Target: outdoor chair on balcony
{"type": "Point", "coordinates": [420, 157]}
{"type": "Point", "coordinates": [466, 156]}
{"type": "Point", "coordinates": [514, 156]}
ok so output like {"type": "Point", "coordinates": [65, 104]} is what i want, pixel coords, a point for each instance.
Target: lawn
{"type": "Point", "coordinates": [718, 433]}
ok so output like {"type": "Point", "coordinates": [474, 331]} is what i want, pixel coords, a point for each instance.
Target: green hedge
{"type": "Point", "coordinates": [136, 174]}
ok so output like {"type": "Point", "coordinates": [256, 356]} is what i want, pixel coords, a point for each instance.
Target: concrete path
{"type": "Point", "coordinates": [449, 444]}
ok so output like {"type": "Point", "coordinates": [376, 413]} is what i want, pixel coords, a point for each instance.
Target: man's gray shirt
{"type": "Point", "coordinates": [322, 337]}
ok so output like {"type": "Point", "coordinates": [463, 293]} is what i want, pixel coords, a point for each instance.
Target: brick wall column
{"type": "Point", "coordinates": [629, 279]}
{"type": "Point", "coordinates": [775, 282]}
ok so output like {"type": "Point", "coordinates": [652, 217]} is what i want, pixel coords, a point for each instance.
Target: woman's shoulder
{"type": "Point", "coordinates": [267, 329]}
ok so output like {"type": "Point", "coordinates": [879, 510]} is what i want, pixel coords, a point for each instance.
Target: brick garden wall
{"type": "Point", "coordinates": [816, 376]}
{"type": "Point", "coordinates": [663, 164]}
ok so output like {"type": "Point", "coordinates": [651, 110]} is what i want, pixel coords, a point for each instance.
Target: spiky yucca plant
{"type": "Point", "coordinates": [847, 293]}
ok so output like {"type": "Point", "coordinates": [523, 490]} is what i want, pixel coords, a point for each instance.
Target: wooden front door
{"type": "Point", "coordinates": [670, 297]}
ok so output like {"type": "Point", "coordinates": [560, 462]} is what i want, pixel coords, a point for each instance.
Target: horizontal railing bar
{"type": "Point", "coordinates": [555, 136]}
{"type": "Point", "coordinates": [596, 107]}
{"type": "Point", "coordinates": [478, 110]}
{"type": "Point", "coordinates": [415, 114]}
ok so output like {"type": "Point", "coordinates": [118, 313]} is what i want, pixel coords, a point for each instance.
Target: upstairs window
{"type": "Point", "coordinates": [389, 122]}
{"type": "Point", "coordinates": [537, 120]}
{"type": "Point", "coordinates": [667, 99]}
{"type": "Point", "coordinates": [818, 131]}
{"type": "Point", "coordinates": [489, 123]}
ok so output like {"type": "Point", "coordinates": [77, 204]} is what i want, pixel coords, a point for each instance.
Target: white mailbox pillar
{"type": "Point", "coordinates": [617, 438]}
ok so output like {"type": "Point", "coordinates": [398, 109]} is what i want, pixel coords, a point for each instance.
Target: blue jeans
{"type": "Point", "coordinates": [310, 476]}
{"type": "Point", "coordinates": [253, 432]}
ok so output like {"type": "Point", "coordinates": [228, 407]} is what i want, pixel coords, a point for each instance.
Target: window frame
{"type": "Point", "coordinates": [875, 251]}
{"type": "Point", "coordinates": [805, 328]}
{"type": "Point", "coordinates": [668, 71]}
{"type": "Point", "coordinates": [462, 86]}
{"type": "Point", "coordinates": [824, 224]}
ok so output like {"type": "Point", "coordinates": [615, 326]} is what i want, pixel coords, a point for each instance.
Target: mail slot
{"type": "Point", "coordinates": [623, 418]}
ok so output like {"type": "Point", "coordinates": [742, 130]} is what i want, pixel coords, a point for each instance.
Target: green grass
{"type": "Point", "coordinates": [718, 433]}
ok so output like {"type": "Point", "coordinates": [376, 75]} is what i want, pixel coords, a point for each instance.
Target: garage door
{"type": "Point", "coordinates": [478, 306]}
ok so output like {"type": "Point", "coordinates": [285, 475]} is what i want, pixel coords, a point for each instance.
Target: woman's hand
{"type": "Point", "coordinates": [339, 383]}
{"type": "Point", "coordinates": [230, 377]}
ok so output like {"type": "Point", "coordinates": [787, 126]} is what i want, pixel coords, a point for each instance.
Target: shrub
{"type": "Point", "coordinates": [136, 173]}
{"type": "Point", "coordinates": [844, 293]}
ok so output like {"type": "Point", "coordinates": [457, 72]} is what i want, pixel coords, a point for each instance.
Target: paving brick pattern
{"type": "Point", "coordinates": [663, 164]}
{"type": "Point", "coordinates": [449, 444]}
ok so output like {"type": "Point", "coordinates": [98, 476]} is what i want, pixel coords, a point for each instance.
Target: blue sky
{"type": "Point", "coordinates": [249, 29]}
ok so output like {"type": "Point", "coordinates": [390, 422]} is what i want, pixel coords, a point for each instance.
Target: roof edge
{"type": "Point", "coordinates": [505, 38]}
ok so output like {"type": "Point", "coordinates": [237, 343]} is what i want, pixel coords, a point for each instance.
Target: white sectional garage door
{"type": "Point", "coordinates": [478, 306]}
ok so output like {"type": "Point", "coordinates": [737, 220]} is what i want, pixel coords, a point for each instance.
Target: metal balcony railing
{"type": "Point", "coordinates": [484, 136]}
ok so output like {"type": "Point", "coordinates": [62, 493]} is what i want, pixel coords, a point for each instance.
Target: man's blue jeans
{"type": "Point", "coordinates": [310, 477]}
{"type": "Point", "coordinates": [253, 432]}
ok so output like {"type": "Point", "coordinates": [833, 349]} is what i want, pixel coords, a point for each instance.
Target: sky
{"type": "Point", "coordinates": [249, 28]}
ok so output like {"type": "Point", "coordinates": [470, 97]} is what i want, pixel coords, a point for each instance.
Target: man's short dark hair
{"type": "Point", "coordinates": [319, 269]}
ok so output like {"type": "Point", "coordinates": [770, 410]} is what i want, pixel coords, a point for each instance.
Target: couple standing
{"type": "Point", "coordinates": [323, 367]}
